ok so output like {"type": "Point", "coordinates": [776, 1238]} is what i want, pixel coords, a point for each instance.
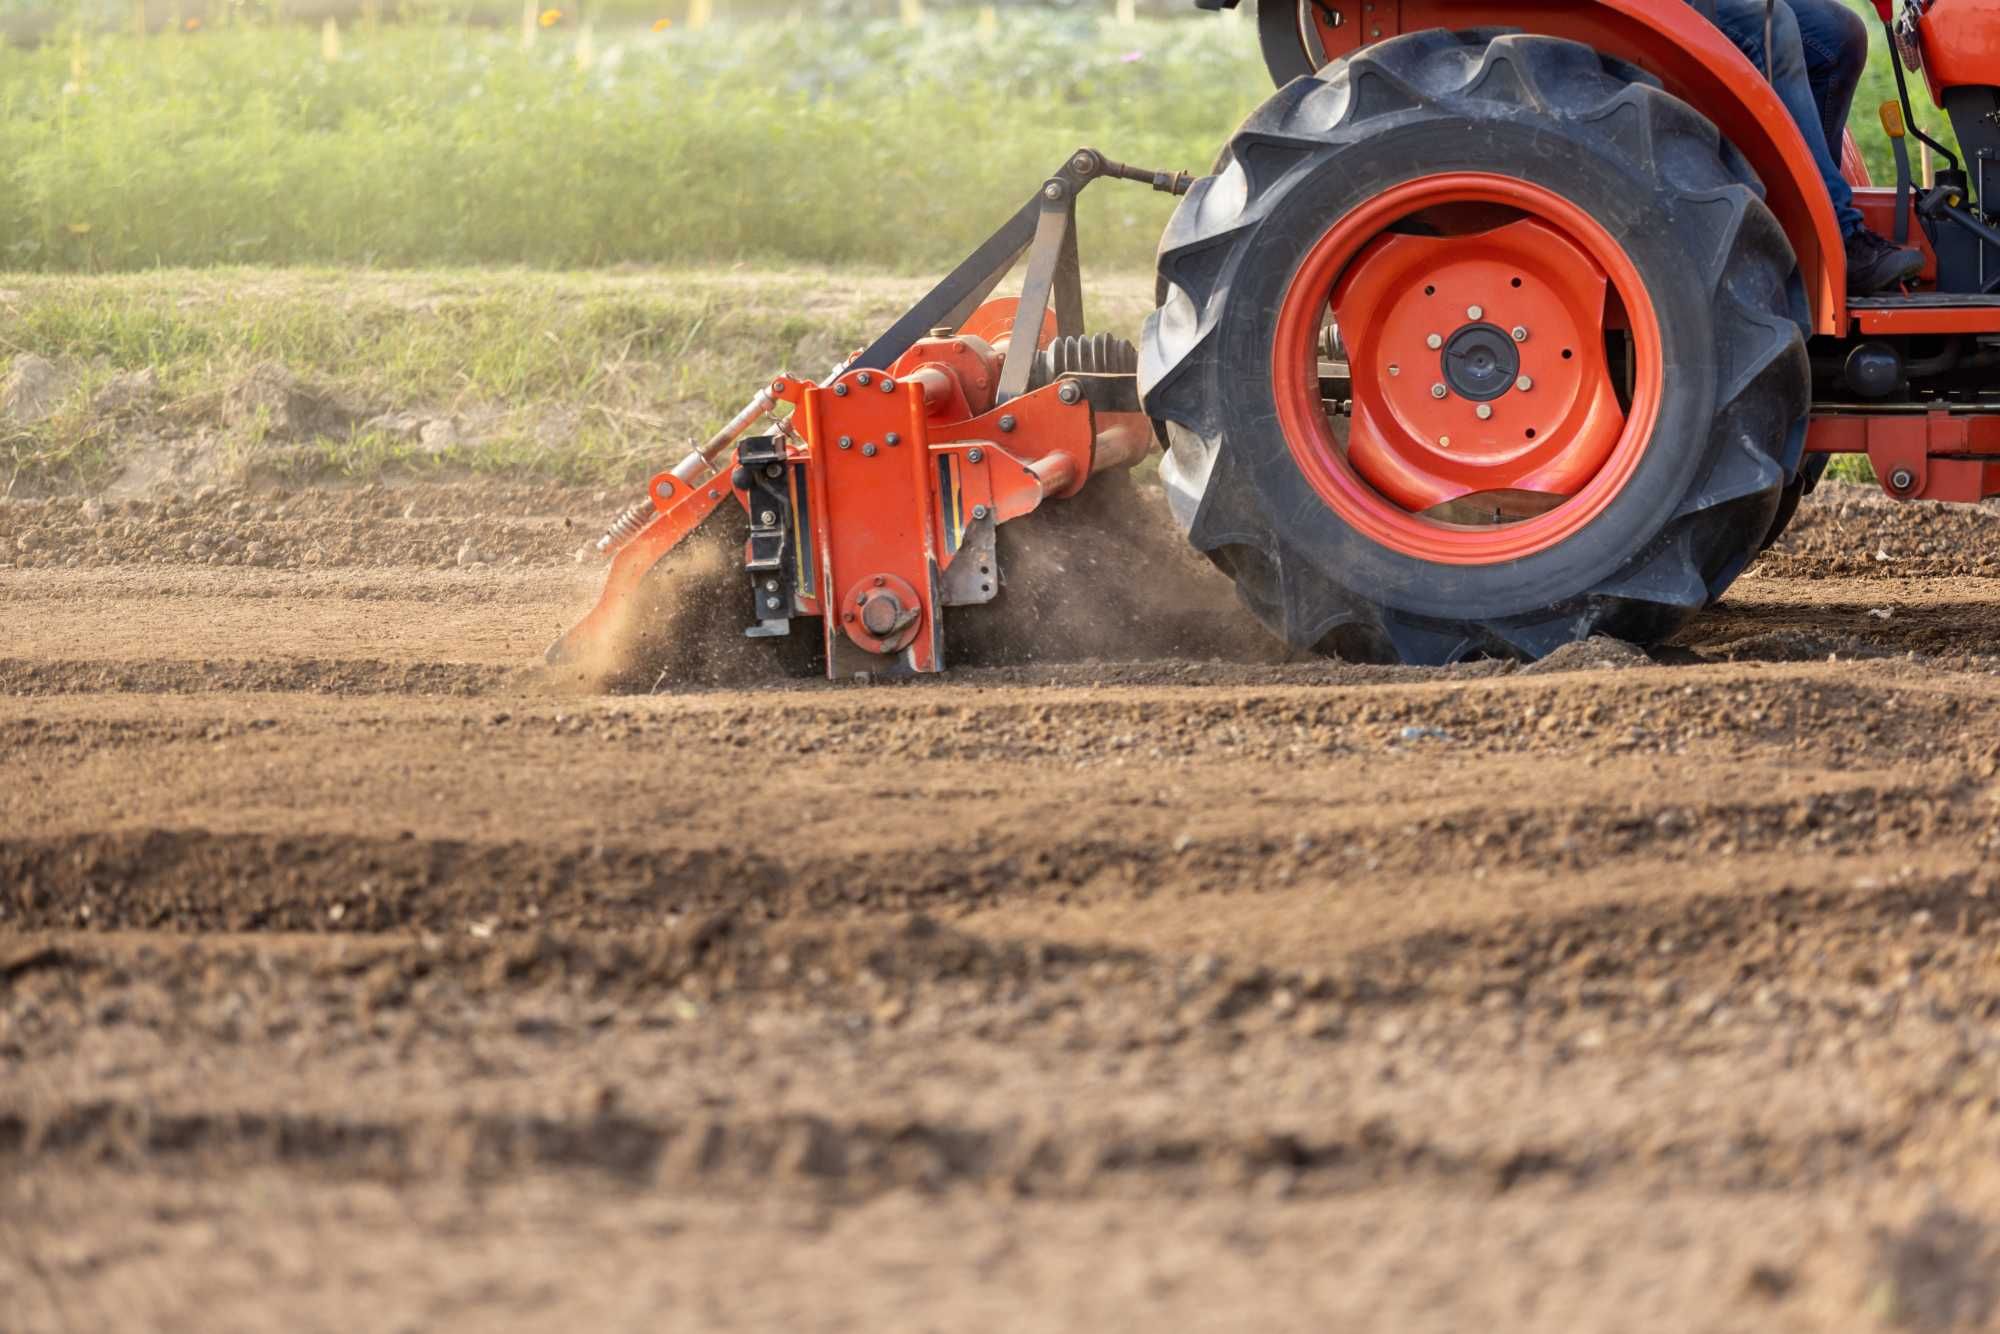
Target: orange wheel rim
{"type": "Point", "coordinates": [1479, 365]}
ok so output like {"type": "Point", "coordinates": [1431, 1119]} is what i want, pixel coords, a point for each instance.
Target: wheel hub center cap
{"type": "Point", "coordinates": [1480, 362]}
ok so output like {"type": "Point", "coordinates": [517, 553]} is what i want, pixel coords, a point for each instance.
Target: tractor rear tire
{"type": "Point", "coordinates": [1661, 496]}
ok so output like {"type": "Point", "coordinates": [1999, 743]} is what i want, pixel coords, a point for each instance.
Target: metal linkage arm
{"type": "Point", "coordinates": [1045, 226]}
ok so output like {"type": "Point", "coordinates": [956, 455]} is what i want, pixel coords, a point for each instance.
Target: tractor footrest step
{"type": "Point", "coordinates": [1926, 301]}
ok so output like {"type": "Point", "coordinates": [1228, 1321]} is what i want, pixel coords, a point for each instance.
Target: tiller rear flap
{"type": "Point", "coordinates": [873, 504]}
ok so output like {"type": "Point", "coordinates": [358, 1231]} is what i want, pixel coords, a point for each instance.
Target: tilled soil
{"type": "Point", "coordinates": [357, 973]}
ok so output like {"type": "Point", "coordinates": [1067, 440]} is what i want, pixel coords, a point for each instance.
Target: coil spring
{"type": "Point", "coordinates": [1088, 354]}
{"type": "Point", "coordinates": [626, 526]}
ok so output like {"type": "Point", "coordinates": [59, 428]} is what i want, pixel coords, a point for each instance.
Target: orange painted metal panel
{"type": "Point", "coordinates": [1928, 320]}
{"type": "Point", "coordinates": [1961, 43]}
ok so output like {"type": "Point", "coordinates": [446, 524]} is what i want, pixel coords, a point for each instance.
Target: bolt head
{"type": "Point", "coordinates": [1475, 312]}
{"type": "Point", "coordinates": [868, 450]}
{"type": "Point", "coordinates": [1439, 391]}
{"type": "Point", "coordinates": [767, 518]}
{"type": "Point", "coordinates": [974, 455]}
{"type": "Point", "coordinates": [888, 385]}
{"type": "Point", "coordinates": [778, 386]}
{"type": "Point", "coordinates": [847, 442]}
{"type": "Point", "coordinates": [1052, 191]}
{"type": "Point", "coordinates": [1394, 369]}
{"type": "Point", "coordinates": [1069, 393]}
{"type": "Point", "coordinates": [1525, 383]}
{"type": "Point", "coordinates": [1007, 422]}
{"type": "Point", "coordinates": [1902, 479]}
{"type": "Point", "coordinates": [979, 511]}
{"type": "Point", "coordinates": [770, 585]}
{"type": "Point", "coordinates": [863, 379]}
{"type": "Point", "coordinates": [774, 470]}
{"type": "Point", "coordinates": [892, 439]}
{"type": "Point", "coordinates": [840, 391]}
{"type": "Point", "coordinates": [1520, 333]}
{"type": "Point", "coordinates": [1444, 442]}
{"type": "Point", "coordinates": [1484, 411]}
{"type": "Point", "coordinates": [1434, 342]}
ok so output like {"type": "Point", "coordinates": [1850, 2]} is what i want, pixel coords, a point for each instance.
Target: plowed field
{"type": "Point", "coordinates": [357, 974]}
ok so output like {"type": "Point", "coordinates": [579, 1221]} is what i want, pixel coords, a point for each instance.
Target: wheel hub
{"type": "Point", "coordinates": [1480, 362]}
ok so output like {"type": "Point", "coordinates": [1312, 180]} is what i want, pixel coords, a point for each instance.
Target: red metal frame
{"type": "Point", "coordinates": [1923, 455]}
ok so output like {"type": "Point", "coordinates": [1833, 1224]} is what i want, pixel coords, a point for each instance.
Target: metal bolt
{"type": "Point", "coordinates": [879, 581]}
{"type": "Point", "coordinates": [868, 450]}
{"type": "Point", "coordinates": [778, 386]}
{"type": "Point", "coordinates": [978, 511]}
{"type": "Point", "coordinates": [1483, 411]}
{"type": "Point", "coordinates": [770, 585]}
{"type": "Point", "coordinates": [1395, 369]}
{"type": "Point", "coordinates": [771, 602]}
{"type": "Point", "coordinates": [974, 455]}
{"type": "Point", "coordinates": [1524, 384]}
{"type": "Point", "coordinates": [774, 470]}
{"type": "Point", "coordinates": [715, 495]}
{"type": "Point", "coordinates": [1439, 391]}
{"type": "Point", "coordinates": [1475, 312]}
{"type": "Point", "coordinates": [888, 385]}
{"type": "Point", "coordinates": [863, 379]}
{"type": "Point", "coordinates": [1069, 393]}
{"type": "Point", "coordinates": [840, 391]}
{"type": "Point", "coordinates": [1007, 422]}
{"type": "Point", "coordinates": [1434, 342]}
{"type": "Point", "coordinates": [892, 439]}
{"type": "Point", "coordinates": [847, 442]}
{"type": "Point", "coordinates": [767, 518]}
{"type": "Point", "coordinates": [1520, 333]}
{"type": "Point", "coordinates": [1052, 191]}
{"type": "Point", "coordinates": [1444, 442]}
{"type": "Point", "coordinates": [1902, 479]}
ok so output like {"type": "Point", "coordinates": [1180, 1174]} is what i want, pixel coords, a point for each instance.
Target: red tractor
{"type": "Point", "coordinates": [1499, 325]}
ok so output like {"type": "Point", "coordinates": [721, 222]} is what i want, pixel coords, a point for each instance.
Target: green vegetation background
{"type": "Point", "coordinates": [453, 137]}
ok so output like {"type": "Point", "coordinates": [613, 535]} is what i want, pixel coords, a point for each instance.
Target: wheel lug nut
{"type": "Point", "coordinates": [1475, 312]}
{"type": "Point", "coordinates": [1434, 342]}
{"type": "Point", "coordinates": [1484, 411]}
{"type": "Point", "coordinates": [1524, 384]}
{"type": "Point", "coordinates": [1520, 333]}
{"type": "Point", "coordinates": [1439, 391]}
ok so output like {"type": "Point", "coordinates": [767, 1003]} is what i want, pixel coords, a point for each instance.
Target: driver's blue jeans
{"type": "Point", "coordinates": [1819, 48]}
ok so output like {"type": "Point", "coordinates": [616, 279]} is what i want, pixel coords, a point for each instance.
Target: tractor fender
{"type": "Point", "coordinates": [1673, 41]}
